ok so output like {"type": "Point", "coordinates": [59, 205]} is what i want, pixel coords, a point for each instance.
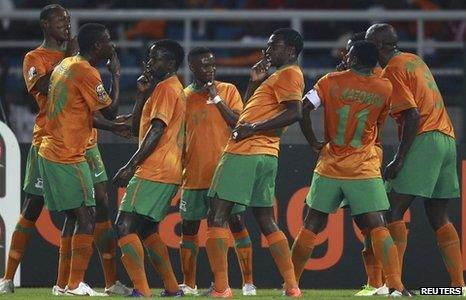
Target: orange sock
{"type": "Point", "coordinates": [189, 248]}
{"type": "Point", "coordinates": [81, 252]}
{"type": "Point", "coordinates": [132, 256]}
{"type": "Point", "coordinates": [243, 248]}
{"type": "Point", "coordinates": [19, 241]}
{"type": "Point", "coordinates": [64, 262]}
{"type": "Point", "coordinates": [400, 238]}
{"type": "Point", "coordinates": [280, 250]}
{"type": "Point", "coordinates": [158, 254]}
{"type": "Point", "coordinates": [373, 266]}
{"type": "Point", "coordinates": [449, 244]}
{"type": "Point", "coordinates": [105, 241]}
{"type": "Point", "coordinates": [302, 250]}
{"type": "Point", "coordinates": [385, 251]}
{"type": "Point", "coordinates": [217, 250]}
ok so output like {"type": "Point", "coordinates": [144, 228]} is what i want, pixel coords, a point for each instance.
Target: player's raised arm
{"type": "Point", "coordinates": [145, 85]}
{"type": "Point", "coordinates": [259, 73]}
{"type": "Point", "coordinates": [113, 64]}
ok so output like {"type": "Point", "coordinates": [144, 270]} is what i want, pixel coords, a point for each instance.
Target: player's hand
{"type": "Point", "coordinates": [342, 66]}
{"type": "Point", "coordinates": [122, 129]}
{"type": "Point", "coordinates": [242, 131]}
{"type": "Point", "coordinates": [113, 64]}
{"type": "Point", "coordinates": [211, 89]}
{"type": "Point", "coordinates": [123, 176]}
{"type": "Point", "coordinates": [260, 70]}
{"type": "Point", "coordinates": [145, 81]}
{"type": "Point", "coordinates": [123, 118]}
{"type": "Point", "coordinates": [318, 145]}
{"type": "Point", "coordinates": [393, 168]}
{"type": "Point", "coordinates": [72, 47]}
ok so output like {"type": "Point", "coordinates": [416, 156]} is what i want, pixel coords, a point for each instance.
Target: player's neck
{"type": "Point", "coordinates": [197, 85]}
{"type": "Point", "coordinates": [362, 71]}
{"type": "Point", "coordinates": [53, 44]}
{"type": "Point", "coordinates": [389, 56]}
{"type": "Point", "coordinates": [92, 59]}
{"type": "Point", "coordinates": [291, 62]}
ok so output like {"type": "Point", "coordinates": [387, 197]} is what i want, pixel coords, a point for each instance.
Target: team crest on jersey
{"type": "Point", "coordinates": [32, 72]}
{"type": "Point", "coordinates": [101, 93]}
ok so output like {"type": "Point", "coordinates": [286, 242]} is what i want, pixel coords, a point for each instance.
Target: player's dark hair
{"type": "Point", "coordinates": [48, 10]}
{"type": "Point", "coordinates": [88, 35]}
{"type": "Point", "coordinates": [366, 53]}
{"type": "Point", "coordinates": [173, 49]}
{"type": "Point", "coordinates": [358, 36]}
{"type": "Point", "coordinates": [198, 51]}
{"type": "Point", "coordinates": [291, 38]}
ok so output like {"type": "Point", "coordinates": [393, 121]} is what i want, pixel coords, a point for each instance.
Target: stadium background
{"type": "Point", "coordinates": [236, 31]}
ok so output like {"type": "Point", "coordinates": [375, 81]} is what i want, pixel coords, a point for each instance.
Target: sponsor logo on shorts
{"type": "Point", "coordinates": [39, 183]}
{"type": "Point", "coordinates": [98, 174]}
{"type": "Point", "coordinates": [183, 205]}
{"type": "Point", "coordinates": [93, 193]}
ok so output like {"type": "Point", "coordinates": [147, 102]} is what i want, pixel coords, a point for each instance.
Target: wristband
{"type": "Point", "coordinates": [216, 100]}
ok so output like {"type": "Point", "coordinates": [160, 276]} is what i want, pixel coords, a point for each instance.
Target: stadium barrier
{"type": "Point", "coordinates": [336, 261]}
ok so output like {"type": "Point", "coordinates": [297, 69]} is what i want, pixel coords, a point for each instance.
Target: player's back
{"type": "Point", "coordinates": [69, 109]}
{"type": "Point", "coordinates": [414, 84]}
{"type": "Point", "coordinates": [354, 104]}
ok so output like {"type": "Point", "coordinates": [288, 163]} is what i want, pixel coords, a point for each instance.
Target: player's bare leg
{"type": "Point", "coordinates": [189, 249]}
{"type": "Point", "coordinates": [158, 255]}
{"type": "Point", "coordinates": [374, 270]}
{"type": "Point", "coordinates": [32, 208]}
{"type": "Point", "coordinates": [399, 204]}
{"type": "Point", "coordinates": [217, 245]}
{"type": "Point", "coordinates": [81, 250]}
{"type": "Point", "coordinates": [126, 226]}
{"type": "Point", "coordinates": [243, 249]}
{"type": "Point", "coordinates": [279, 248]}
{"type": "Point", "coordinates": [64, 261]}
{"type": "Point", "coordinates": [447, 238]}
{"type": "Point", "coordinates": [106, 242]}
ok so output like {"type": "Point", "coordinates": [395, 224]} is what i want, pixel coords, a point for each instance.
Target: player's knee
{"type": "Point", "coordinates": [33, 207]}
{"type": "Point", "coordinates": [315, 221]}
{"type": "Point", "coordinates": [189, 227]}
{"type": "Point", "coordinates": [236, 223]}
{"type": "Point", "coordinates": [216, 219]}
{"type": "Point", "coordinates": [122, 227]}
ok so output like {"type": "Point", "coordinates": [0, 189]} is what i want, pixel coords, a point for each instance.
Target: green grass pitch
{"type": "Point", "coordinates": [44, 293]}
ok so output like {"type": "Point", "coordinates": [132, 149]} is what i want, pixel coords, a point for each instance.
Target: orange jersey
{"type": "Point", "coordinates": [268, 101]}
{"type": "Point", "coordinates": [93, 139]}
{"type": "Point", "coordinates": [207, 133]}
{"type": "Point", "coordinates": [415, 87]}
{"type": "Point", "coordinates": [166, 103]}
{"type": "Point", "coordinates": [75, 91]}
{"type": "Point", "coordinates": [38, 63]}
{"type": "Point", "coordinates": [377, 71]}
{"type": "Point", "coordinates": [355, 105]}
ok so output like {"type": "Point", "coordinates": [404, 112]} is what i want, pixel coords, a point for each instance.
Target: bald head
{"type": "Point", "coordinates": [382, 33]}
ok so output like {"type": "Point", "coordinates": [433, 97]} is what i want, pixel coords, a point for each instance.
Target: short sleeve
{"type": "Point", "coordinates": [92, 89]}
{"type": "Point", "coordinates": [162, 103]}
{"type": "Point", "coordinates": [234, 99]}
{"type": "Point", "coordinates": [402, 98]}
{"type": "Point", "coordinates": [33, 69]}
{"type": "Point", "coordinates": [322, 88]}
{"type": "Point", "coordinates": [289, 85]}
